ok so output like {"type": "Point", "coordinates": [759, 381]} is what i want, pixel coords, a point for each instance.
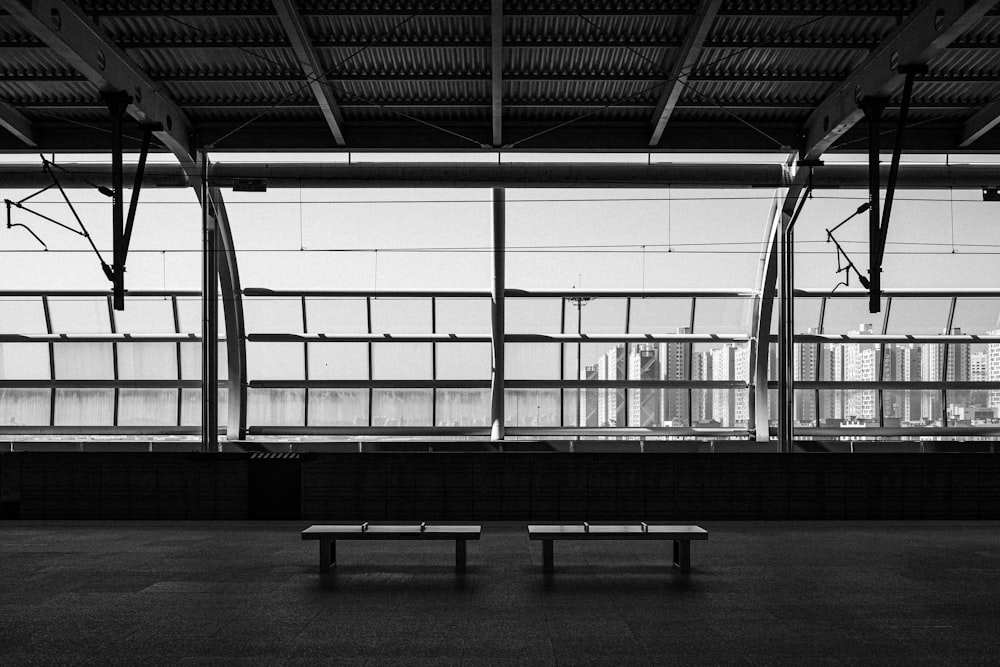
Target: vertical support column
{"type": "Point", "coordinates": [786, 338]}
{"type": "Point", "coordinates": [210, 319]}
{"type": "Point", "coordinates": [781, 251]}
{"type": "Point", "coordinates": [497, 314]}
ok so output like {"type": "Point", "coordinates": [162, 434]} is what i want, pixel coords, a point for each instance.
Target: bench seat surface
{"type": "Point", "coordinates": [403, 532]}
{"type": "Point", "coordinates": [576, 531]}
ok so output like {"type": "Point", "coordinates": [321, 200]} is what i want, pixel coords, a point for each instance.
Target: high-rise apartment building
{"type": "Point", "coordinates": [675, 361]}
{"type": "Point", "coordinates": [860, 364]}
{"type": "Point", "coordinates": [942, 362]}
{"type": "Point", "coordinates": [644, 405]}
{"type": "Point", "coordinates": [993, 368]}
{"type": "Point", "coordinates": [724, 368]}
{"type": "Point", "coordinates": [806, 367]}
{"type": "Point", "coordinates": [589, 398]}
{"type": "Point", "coordinates": [701, 399]}
{"type": "Point", "coordinates": [611, 407]}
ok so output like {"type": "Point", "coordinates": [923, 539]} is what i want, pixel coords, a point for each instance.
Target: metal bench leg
{"type": "Point", "coordinates": [682, 555]}
{"type": "Point", "coordinates": [547, 556]}
{"type": "Point", "coordinates": [460, 556]}
{"type": "Point", "coordinates": [327, 554]}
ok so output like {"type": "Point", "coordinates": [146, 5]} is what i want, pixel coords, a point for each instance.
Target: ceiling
{"type": "Point", "coordinates": [446, 75]}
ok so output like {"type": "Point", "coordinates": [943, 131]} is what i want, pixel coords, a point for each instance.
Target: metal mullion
{"type": "Point", "coordinates": [434, 362]}
{"type": "Point", "coordinates": [371, 389]}
{"type": "Point", "coordinates": [628, 350]}
{"type": "Point", "coordinates": [114, 358]}
{"type": "Point", "coordinates": [819, 358]}
{"type": "Point", "coordinates": [52, 360]}
{"type": "Point", "coordinates": [944, 366]}
{"type": "Point", "coordinates": [305, 362]}
{"type": "Point", "coordinates": [180, 358]}
{"type": "Point", "coordinates": [881, 361]}
{"type": "Point", "coordinates": [690, 362]}
{"type": "Point", "coordinates": [562, 367]}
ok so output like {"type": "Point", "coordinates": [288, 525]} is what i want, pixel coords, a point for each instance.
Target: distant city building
{"type": "Point", "coordinates": [611, 407]}
{"type": "Point", "coordinates": [806, 367]}
{"type": "Point", "coordinates": [860, 365]}
{"type": "Point", "coordinates": [675, 361]}
{"type": "Point", "coordinates": [730, 408]}
{"type": "Point", "coordinates": [701, 399]}
{"type": "Point", "coordinates": [644, 405]}
{"type": "Point", "coordinates": [589, 398]}
{"type": "Point", "coordinates": [993, 367]}
{"type": "Point", "coordinates": [942, 362]}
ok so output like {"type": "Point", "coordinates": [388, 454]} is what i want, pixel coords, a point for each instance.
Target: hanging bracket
{"type": "Point", "coordinates": [878, 225]}
{"type": "Point", "coordinates": [118, 102]}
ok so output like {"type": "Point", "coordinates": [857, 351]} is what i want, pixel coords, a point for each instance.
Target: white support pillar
{"type": "Point", "coordinates": [497, 315]}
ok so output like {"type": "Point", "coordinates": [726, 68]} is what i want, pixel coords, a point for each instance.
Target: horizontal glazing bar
{"type": "Point", "coordinates": [365, 384]}
{"type": "Point", "coordinates": [98, 293]}
{"type": "Point", "coordinates": [408, 431]}
{"type": "Point", "coordinates": [100, 430]}
{"type": "Point", "coordinates": [874, 385]}
{"type": "Point", "coordinates": [509, 384]}
{"type": "Point", "coordinates": [905, 292]}
{"type": "Point", "coordinates": [366, 338]}
{"type": "Point", "coordinates": [101, 338]}
{"type": "Point", "coordinates": [857, 432]}
{"type": "Point", "coordinates": [510, 293]}
{"type": "Point", "coordinates": [102, 384]}
{"type": "Point", "coordinates": [900, 339]}
{"type": "Point", "coordinates": [508, 338]}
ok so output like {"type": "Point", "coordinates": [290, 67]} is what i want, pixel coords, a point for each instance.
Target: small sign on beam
{"type": "Point", "coordinates": [249, 185]}
{"type": "Point", "coordinates": [991, 194]}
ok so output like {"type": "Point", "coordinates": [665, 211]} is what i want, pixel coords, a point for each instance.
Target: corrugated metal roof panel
{"type": "Point", "coordinates": [397, 29]}
{"type": "Point", "coordinates": [22, 92]}
{"type": "Point", "coordinates": [559, 60]}
{"type": "Point", "coordinates": [603, 92]}
{"type": "Point", "coordinates": [408, 91]}
{"type": "Point", "coordinates": [421, 60]}
{"type": "Point", "coordinates": [132, 30]}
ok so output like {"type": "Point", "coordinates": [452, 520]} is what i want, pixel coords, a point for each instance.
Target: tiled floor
{"type": "Point", "coordinates": [249, 593]}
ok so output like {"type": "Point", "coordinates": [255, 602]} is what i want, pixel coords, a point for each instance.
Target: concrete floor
{"type": "Point", "coordinates": [781, 593]}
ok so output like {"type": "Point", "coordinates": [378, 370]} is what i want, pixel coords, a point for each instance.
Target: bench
{"type": "Point", "coordinates": [329, 534]}
{"type": "Point", "coordinates": [681, 535]}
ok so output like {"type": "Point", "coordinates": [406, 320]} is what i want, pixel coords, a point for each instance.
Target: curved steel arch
{"type": "Point", "coordinates": [777, 255]}
{"type": "Point", "coordinates": [232, 311]}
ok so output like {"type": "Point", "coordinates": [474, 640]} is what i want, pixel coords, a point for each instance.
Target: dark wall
{"type": "Point", "coordinates": [508, 486]}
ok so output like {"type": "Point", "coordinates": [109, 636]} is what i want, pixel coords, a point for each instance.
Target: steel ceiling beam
{"type": "Point", "coordinates": [67, 30]}
{"type": "Point", "coordinates": [683, 65]}
{"type": "Point", "coordinates": [927, 31]}
{"type": "Point", "coordinates": [17, 124]}
{"type": "Point", "coordinates": [305, 53]}
{"type": "Point", "coordinates": [982, 122]}
{"type": "Point", "coordinates": [496, 69]}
